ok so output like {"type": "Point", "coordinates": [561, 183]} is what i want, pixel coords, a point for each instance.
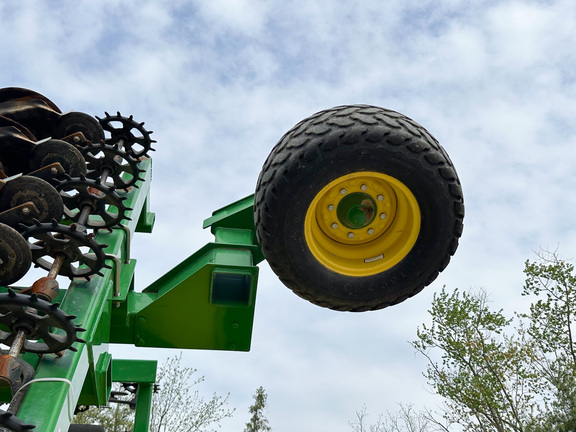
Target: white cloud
{"type": "Point", "coordinates": [242, 16]}
{"type": "Point", "coordinates": [219, 82]}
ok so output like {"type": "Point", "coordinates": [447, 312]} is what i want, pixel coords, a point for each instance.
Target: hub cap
{"type": "Point", "coordinates": [362, 223]}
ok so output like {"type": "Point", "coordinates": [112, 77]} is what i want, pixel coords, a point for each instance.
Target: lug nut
{"type": "Point", "coordinates": [382, 215]}
{"type": "Point", "coordinates": [334, 225]}
{"type": "Point", "coordinates": [370, 231]}
{"type": "Point", "coordinates": [331, 207]}
{"type": "Point", "coordinates": [343, 191]}
{"type": "Point", "coordinates": [350, 235]}
{"type": "Point", "coordinates": [363, 187]}
{"type": "Point", "coordinates": [380, 197]}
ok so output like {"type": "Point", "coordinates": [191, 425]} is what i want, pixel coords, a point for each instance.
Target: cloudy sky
{"type": "Point", "coordinates": [220, 81]}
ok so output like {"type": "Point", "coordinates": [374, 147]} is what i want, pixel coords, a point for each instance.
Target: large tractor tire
{"type": "Point", "coordinates": [358, 208]}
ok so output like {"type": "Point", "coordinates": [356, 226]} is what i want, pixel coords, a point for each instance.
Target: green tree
{"type": "Point", "coordinates": [551, 331]}
{"type": "Point", "coordinates": [483, 373]}
{"type": "Point", "coordinates": [405, 419]}
{"type": "Point", "coordinates": [179, 408]}
{"type": "Point", "coordinates": [258, 422]}
{"type": "Point", "coordinates": [498, 373]}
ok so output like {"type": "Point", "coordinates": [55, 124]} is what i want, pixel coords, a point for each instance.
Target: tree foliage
{"type": "Point", "coordinates": [179, 408]}
{"type": "Point", "coordinates": [405, 419]}
{"type": "Point", "coordinates": [551, 331]}
{"type": "Point", "coordinates": [498, 373]}
{"type": "Point", "coordinates": [483, 373]}
{"type": "Point", "coordinates": [258, 422]}
{"type": "Point", "coordinates": [176, 407]}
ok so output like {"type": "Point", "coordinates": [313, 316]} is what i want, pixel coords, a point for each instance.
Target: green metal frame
{"type": "Point", "coordinates": [213, 292]}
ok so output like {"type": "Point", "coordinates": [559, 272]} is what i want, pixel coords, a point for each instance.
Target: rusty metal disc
{"type": "Point", "coordinates": [25, 189]}
{"type": "Point", "coordinates": [54, 150]}
{"type": "Point", "coordinates": [18, 93]}
{"type": "Point", "coordinates": [73, 122]}
{"type": "Point", "coordinates": [15, 255]}
{"type": "Point", "coordinates": [6, 122]}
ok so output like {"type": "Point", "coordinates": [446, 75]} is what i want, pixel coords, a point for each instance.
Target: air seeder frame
{"type": "Point", "coordinates": [206, 302]}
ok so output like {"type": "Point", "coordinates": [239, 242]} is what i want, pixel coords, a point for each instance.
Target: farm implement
{"type": "Point", "coordinates": [357, 208]}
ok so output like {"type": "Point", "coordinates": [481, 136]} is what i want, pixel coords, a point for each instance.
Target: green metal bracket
{"type": "Point", "coordinates": [213, 293]}
{"type": "Point", "coordinates": [142, 372]}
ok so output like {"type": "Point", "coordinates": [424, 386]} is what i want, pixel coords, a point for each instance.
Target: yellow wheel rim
{"type": "Point", "coordinates": [362, 224]}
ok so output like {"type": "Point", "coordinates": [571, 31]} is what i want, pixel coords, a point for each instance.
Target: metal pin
{"type": "Point", "coordinates": [17, 343]}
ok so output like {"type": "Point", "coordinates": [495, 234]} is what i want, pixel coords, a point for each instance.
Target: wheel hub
{"type": "Point", "coordinates": [362, 223]}
{"type": "Point", "coordinates": [358, 209]}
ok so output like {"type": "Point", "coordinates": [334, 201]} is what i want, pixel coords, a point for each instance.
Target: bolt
{"type": "Point", "coordinates": [380, 197]}
{"type": "Point", "coordinates": [53, 171]}
{"type": "Point", "coordinates": [350, 235]}
{"type": "Point", "coordinates": [370, 231]}
{"type": "Point", "coordinates": [334, 225]}
{"type": "Point", "coordinates": [25, 211]}
{"type": "Point", "coordinates": [363, 187]}
{"type": "Point", "coordinates": [343, 191]}
{"type": "Point", "coordinates": [382, 216]}
{"type": "Point", "coordinates": [331, 207]}
{"type": "Point", "coordinates": [76, 139]}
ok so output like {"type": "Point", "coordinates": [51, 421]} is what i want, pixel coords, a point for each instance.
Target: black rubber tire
{"type": "Point", "coordinates": [345, 140]}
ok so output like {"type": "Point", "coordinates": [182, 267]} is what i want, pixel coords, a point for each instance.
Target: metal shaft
{"type": "Point", "coordinates": [18, 344]}
{"type": "Point", "coordinates": [86, 210]}
{"type": "Point", "coordinates": [104, 176]}
{"type": "Point", "coordinates": [56, 266]}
